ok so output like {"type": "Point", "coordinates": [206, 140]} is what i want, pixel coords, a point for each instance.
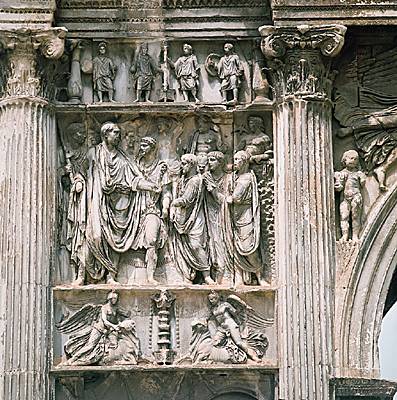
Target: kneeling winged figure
{"type": "Point", "coordinates": [233, 333]}
{"type": "Point", "coordinates": [101, 335]}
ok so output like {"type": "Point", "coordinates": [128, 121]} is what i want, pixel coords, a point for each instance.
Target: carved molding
{"type": "Point", "coordinates": [299, 58]}
{"type": "Point", "coordinates": [329, 39]}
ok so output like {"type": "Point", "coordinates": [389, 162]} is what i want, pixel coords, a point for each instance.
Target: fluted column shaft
{"type": "Point", "coordinates": [27, 223]}
{"type": "Point", "coordinates": [305, 238]}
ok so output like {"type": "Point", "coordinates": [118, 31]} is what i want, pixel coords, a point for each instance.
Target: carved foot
{"type": "Point", "coordinates": [209, 281]}
{"type": "Point", "coordinates": [152, 282]}
{"type": "Point", "coordinates": [78, 282]}
{"type": "Point", "coordinates": [136, 101]}
{"type": "Point", "coordinates": [383, 188]}
{"type": "Point", "coordinates": [149, 101]}
{"type": "Point", "coordinates": [111, 281]}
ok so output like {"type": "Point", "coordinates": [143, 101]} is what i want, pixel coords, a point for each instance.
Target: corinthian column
{"type": "Point", "coordinates": [305, 239]}
{"type": "Point", "coordinates": [27, 211]}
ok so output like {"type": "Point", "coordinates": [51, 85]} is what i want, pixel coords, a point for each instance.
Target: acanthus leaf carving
{"type": "Point", "coordinates": [299, 58]}
{"type": "Point", "coordinates": [28, 71]}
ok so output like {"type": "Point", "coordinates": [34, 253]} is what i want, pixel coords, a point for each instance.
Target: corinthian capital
{"type": "Point", "coordinates": [24, 61]}
{"type": "Point", "coordinates": [329, 39]}
{"type": "Point", "coordinates": [49, 41]}
{"type": "Point", "coordinates": [299, 59]}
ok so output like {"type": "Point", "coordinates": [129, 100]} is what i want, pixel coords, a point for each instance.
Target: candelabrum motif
{"type": "Point", "coordinates": [164, 302]}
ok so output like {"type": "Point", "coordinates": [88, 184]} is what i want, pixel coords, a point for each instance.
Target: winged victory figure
{"type": "Point", "coordinates": [233, 333]}
{"type": "Point", "coordinates": [366, 106]}
{"type": "Point", "coordinates": [101, 335]}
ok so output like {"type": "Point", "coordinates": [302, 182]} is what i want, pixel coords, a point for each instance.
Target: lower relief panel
{"type": "Point", "coordinates": [180, 343]}
{"type": "Point", "coordinates": [177, 385]}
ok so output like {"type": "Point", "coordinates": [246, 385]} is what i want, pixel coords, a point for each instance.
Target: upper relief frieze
{"type": "Point", "coordinates": [211, 3]}
{"type": "Point", "coordinates": [108, 3]}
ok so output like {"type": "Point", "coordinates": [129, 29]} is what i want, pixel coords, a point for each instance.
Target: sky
{"type": "Point", "coordinates": [388, 346]}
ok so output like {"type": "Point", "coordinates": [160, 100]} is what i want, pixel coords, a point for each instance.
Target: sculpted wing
{"type": "Point", "coordinates": [82, 318]}
{"type": "Point", "coordinates": [363, 84]}
{"type": "Point", "coordinates": [248, 316]}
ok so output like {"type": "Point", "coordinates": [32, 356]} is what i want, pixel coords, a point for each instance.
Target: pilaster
{"type": "Point", "coordinates": [305, 240]}
{"type": "Point", "coordinates": [28, 206]}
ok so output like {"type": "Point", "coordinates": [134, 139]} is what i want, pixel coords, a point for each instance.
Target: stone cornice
{"type": "Point", "coordinates": [329, 39]}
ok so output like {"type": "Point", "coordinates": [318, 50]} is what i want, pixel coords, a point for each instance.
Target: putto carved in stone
{"type": "Point", "coordinates": [101, 334]}
{"type": "Point", "coordinates": [350, 182]}
{"type": "Point", "coordinates": [104, 72]}
{"type": "Point", "coordinates": [233, 333]}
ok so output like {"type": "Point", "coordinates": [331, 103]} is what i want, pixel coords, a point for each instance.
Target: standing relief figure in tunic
{"type": "Point", "coordinates": [187, 72]}
{"type": "Point", "coordinates": [229, 70]}
{"type": "Point", "coordinates": [144, 70]}
{"type": "Point", "coordinates": [350, 182]}
{"type": "Point", "coordinates": [190, 236]}
{"type": "Point", "coordinates": [101, 334]}
{"type": "Point", "coordinates": [104, 72]}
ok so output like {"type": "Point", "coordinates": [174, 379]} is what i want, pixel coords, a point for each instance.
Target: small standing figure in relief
{"type": "Point", "coordinates": [190, 238]}
{"type": "Point", "coordinates": [350, 182]}
{"type": "Point", "coordinates": [144, 70]}
{"type": "Point", "coordinates": [104, 72]}
{"type": "Point", "coordinates": [115, 188]}
{"type": "Point", "coordinates": [102, 334]}
{"type": "Point", "coordinates": [233, 333]}
{"type": "Point", "coordinates": [187, 72]}
{"type": "Point", "coordinates": [230, 71]}
{"type": "Point", "coordinates": [154, 206]}
{"type": "Point", "coordinates": [242, 222]}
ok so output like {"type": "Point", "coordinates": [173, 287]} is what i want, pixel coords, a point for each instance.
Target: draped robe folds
{"type": "Point", "coordinates": [103, 73]}
{"type": "Point", "coordinates": [241, 222]}
{"type": "Point", "coordinates": [213, 203]}
{"type": "Point", "coordinates": [144, 70]}
{"type": "Point", "coordinates": [151, 209]}
{"type": "Point", "coordinates": [186, 71]}
{"type": "Point", "coordinates": [229, 71]}
{"type": "Point", "coordinates": [113, 204]}
{"type": "Point", "coordinates": [190, 231]}
{"type": "Point", "coordinates": [77, 211]}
